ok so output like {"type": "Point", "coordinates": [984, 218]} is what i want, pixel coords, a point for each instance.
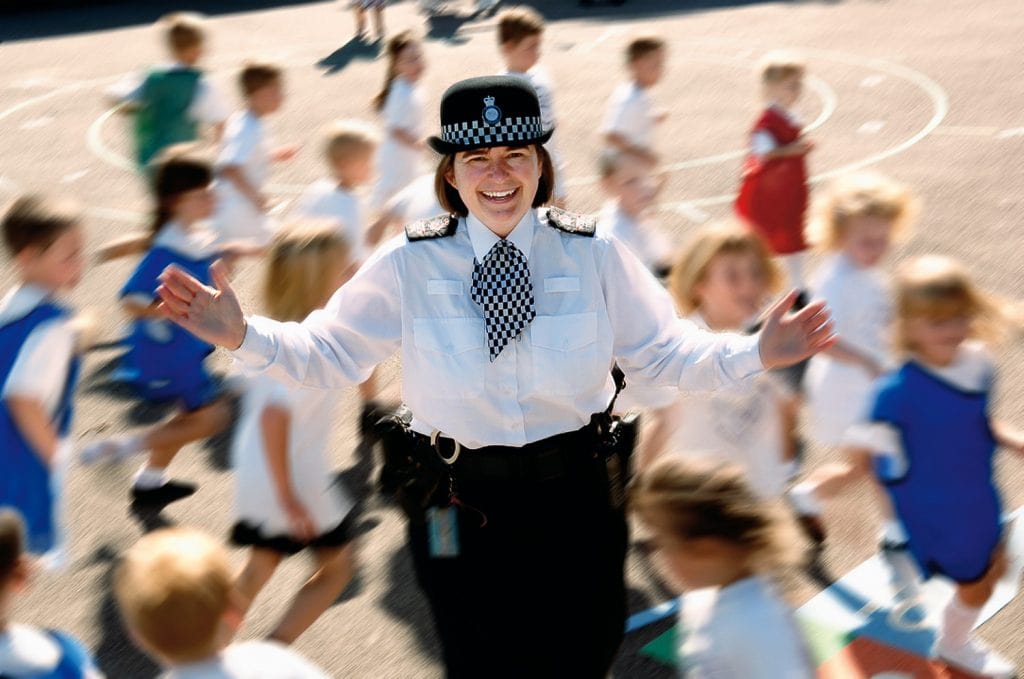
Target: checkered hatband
{"type": "Point", "coordinates": [502, 287]}
{"type": "Point", "coordinates": [508, 131]}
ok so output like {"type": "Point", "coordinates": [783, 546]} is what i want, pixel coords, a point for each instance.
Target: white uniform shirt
{"type": "Point", "coordinates": [41, 368]}
{"type": "Point", "coordinates": [397, 162]}
{"type": "Point", "coordinates": [630, 114]}
{"type": "Point", "coordinates": [741, 631]}
{"type": "Point", "coordinates": [641, 236]}
{"type": "Point", "coordinates": [250, 660]}
{"type": "Point", "coordinates": [207, 106]}
{"type": "Point", "coordinates": [28, 652]}
{"type": "Point", "coordinates": [859, 299]}
{"type": "Point", "coordinates": [595, 304]}
{"type": "Point", "coordinates": [416, 201]}
{"type": "Point", "coordinates": [244, 146]}
{"type": "Point", "coordinates": [324, 198]}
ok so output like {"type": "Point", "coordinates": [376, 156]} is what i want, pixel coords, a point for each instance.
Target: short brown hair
{"type": "Point", "coordinates": [641, 46]}
{"type": "Point", "coordinates": [449, 198]}
{"type": "Point", "coordinates": [12, 543]}
{"type": "Point", "coordinates": [686, 500]}
{"type": "Point", "coordinates": [780, 65]}
{"type": "Point", "coordinates": [517, 23]}
{"type": "Point", "coordinates": [257, 75]}
{"type": "Point", "coordinates": [36, 220]}
{"type": "Point", "coordinates": [182, 31]}
{"type": "Point", "coordinates": [173, 588]}
{"type": "Point", "coordinates": [345, 138]}
{"type": "Point", "coordinates": [692, 264]}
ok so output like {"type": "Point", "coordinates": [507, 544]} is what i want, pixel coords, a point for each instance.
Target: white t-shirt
{"type": "Point", "coordinates": [838, 392]}
{"type": "Point", "coordinates": [245, 146]}
{"type": "Point", "coordinates": [27, 652]}
{"type": "Point", "coordinates": [641, 236]}
{"type": "Point", "coordinates": [762, 142]}
{"type": "Point", "coordinates": [398, 163]}
{"type": "Point", "coordinates": [312, 414]}
{"type": "Point", "coordinates": [630, 114]}
{"type": "Point", "coordinates": [742, 425]}
{"type": "Point", "coordinates": [741, 631]}
{"type": "Point", "coordinates": [325, 199]}
{"type": "Point", "coordinates": [207, 106]}
{"type": "Point", "coordinates": [250, 660]}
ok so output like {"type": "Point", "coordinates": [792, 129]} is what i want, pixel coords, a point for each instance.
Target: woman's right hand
{"type": "Point", "coordinates": [212, 314]}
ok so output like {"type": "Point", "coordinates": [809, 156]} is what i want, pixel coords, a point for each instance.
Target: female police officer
{"type": "Point", "coordinates": [508, 319]}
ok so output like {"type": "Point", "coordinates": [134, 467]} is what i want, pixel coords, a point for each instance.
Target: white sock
{"type": "Point", "coordinates": [893, 533]}
{"type": "Point", "coordinates": [957, 621]}
{"type": "Point", "coordinates": [794, 264]}
{"type": "Point", "coordinates": [791, 468]}
{"type": "Point", "coordinates": [804, 500]}
{"type": "Point", "coordinates": [148, 477]}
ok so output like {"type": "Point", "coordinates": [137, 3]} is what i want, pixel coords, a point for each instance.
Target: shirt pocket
{"type": "Point", "coordinates": [450, 356]}
{"type": "Point", "coordinates": [565, 353]}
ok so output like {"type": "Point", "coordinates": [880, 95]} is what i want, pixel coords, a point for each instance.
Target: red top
{"type": "Point", "coordinates": [773, 193]}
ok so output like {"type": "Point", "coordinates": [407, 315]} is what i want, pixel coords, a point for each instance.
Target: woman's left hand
{"type": "Point", "coordinates": [790, 338]}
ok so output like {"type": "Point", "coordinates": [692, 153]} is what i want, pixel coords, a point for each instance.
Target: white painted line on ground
{"type": "Point", "coordinates": [94, 142]}
{"type": "Point", "coordinates": [872, 80]}
{"type": "Point", "coordinates": [694, 214]}
{"type": "Point", "coordinates": [36, 123]}
{"type": "Point", "coordinates": [965, 131]}
{"type": "Point", "coordinates": [871, 127]}
{"type": "Point", "coordinates": [1011, 132]}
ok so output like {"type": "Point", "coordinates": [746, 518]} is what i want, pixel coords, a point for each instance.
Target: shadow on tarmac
{"type": "Point", "coordinates": [115, 653]}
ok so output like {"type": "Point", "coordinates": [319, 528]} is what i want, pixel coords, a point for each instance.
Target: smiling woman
{"type": "Point", "coordinates": [509, 316]}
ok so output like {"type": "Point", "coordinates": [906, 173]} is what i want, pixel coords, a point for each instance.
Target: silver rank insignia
{"type": "Point", "coordinates": [491, 113]}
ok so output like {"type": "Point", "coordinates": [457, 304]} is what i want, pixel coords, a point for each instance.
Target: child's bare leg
{"type": "Point", "coordinates": [368, 389]}
{"type": "Point", "coordinates": [254, 575]}
{"type": "Point", "coordinates": [334, 570]}
{"type": "Point", "coordinates": [360, 20]}
{"type": "Point", "coordinates": [378, 16]}
{"type": "Point", "coordinates": [165, 439]}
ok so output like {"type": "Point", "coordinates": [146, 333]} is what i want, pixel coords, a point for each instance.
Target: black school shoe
{"type": "Point", "coordinates": [172, 491]}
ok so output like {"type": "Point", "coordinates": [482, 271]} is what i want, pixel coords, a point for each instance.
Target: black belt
{"type": "Point", "coordinates": [543, 460]}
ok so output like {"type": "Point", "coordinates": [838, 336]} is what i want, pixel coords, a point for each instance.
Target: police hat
{"type": "Point", "coordinates": [500, 110]}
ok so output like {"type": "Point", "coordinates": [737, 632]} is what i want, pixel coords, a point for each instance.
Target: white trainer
{"type": "Point", "coordinates": [977, 658]}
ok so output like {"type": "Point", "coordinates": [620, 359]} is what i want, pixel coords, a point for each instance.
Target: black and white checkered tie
{"type": "Point", "coordinates": [501, 285]}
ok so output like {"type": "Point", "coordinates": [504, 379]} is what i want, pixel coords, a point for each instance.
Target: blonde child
{"type": "Point", "coordinates": [163, 362]}
{"type": "Point", "coordinates": [27, 651]}
{"type": "Point", "coordinates": [175, 593]}
{"type": "Point", "coordinates": [773, 192]}
{"type": "Point", "coordinates": [721, 281]}
{"type": "Point", "coordinates": [631, 117]}
{"type": "Point", "coordinates": [243, 164]}
{"type": "Point", "coordinates": [931, 438]}
{"type": "Point", "coordinates": [857, 219]}
{"type": "Point", "coordinates": [400, 105]}
{"type": "Point", "coordinates": [720, 542]}
{"type": "Point", "coordinates": [173, 102]}
{"type": "Point", "coordinates": [520, 32]}
{"type": "Point", "coordinates": [286, 499]}
{"type": "Point", "coordinates": [39, 364]}
{"type": "Point", "coordinates": [628, 179]}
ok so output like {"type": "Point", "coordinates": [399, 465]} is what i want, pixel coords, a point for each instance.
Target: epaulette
{"type": "Point", "coordinates": [572, 222]}
{"type": "Point", "coordinates": [434, 227]}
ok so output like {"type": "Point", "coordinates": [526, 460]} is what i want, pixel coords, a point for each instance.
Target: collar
{"type": "Point", "coordinates": [969, 371]}
{"type": "Point", "coordinates": [21, 300]}
{"type": "Point", "coordinates": [483, 239]}
{"type": "Point", "coordinates": [196, 243]}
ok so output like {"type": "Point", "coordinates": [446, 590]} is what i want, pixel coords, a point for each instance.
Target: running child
{"type": "Point", "coordinates": [173, 102]}
{"type": "Point", "coordinates": [931, 438]}
{"type": "Point", "coordinates": [39, 362]}
{"type": "Point", "coordinates": [400, 106]}
{"type": "Point", "coordinates": [243, 164]}
{"type": "Point", "coordinates": [286, 499]}
{"type": "Point", "coordinates": [165, 363]}
{"type": "Point", "coordinates": [720, 543]}
{"type": "Point", "coordinates": [722, 280]}
{"type": "Point", "coordinates": [175, 593]}
{"type": "Point", "coordinates": [773, 192]}
{"type": "Point", "coordinates": [27, 651]}
{"type": "Point", "coordinates": [631, 118]}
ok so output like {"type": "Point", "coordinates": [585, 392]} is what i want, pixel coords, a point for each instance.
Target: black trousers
{"type": "Point", "coordinates": [539, 590]}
